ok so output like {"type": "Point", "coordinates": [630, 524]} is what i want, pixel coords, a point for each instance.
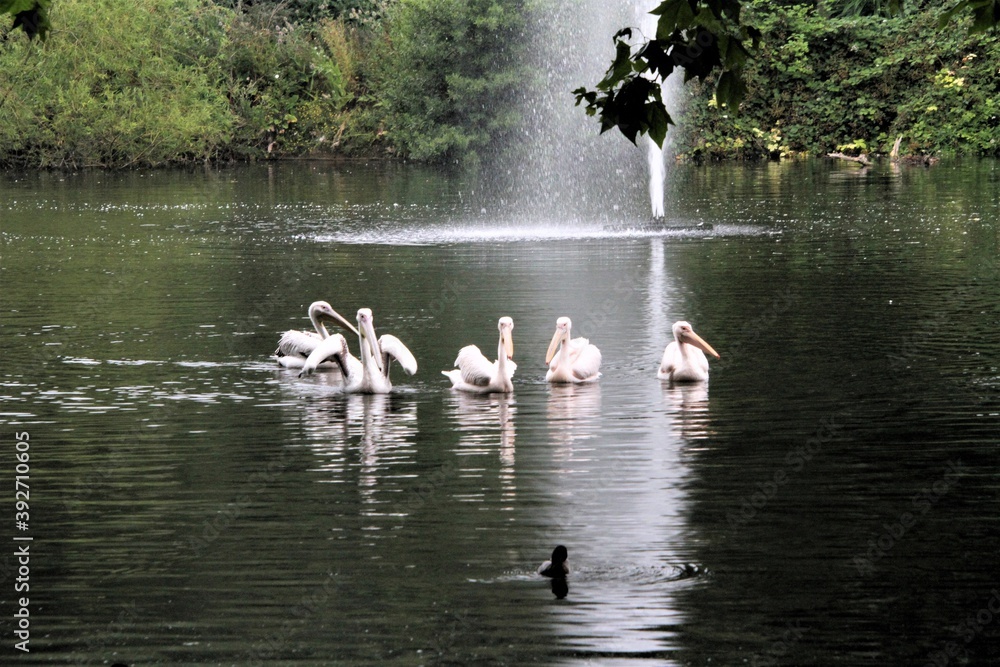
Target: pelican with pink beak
{"type": "Point", "coordinates": [571, 360]}
{"type": "Point", "coordinates": [684, 359]}
{"type": "Point", "coordinates": [475, 373]}
{"type": "Point", "coordinates": [370, 375]}
{"type": "Point", "coordinates": [295, 346]}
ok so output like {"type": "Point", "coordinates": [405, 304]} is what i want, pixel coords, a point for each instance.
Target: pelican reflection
{"type": "Point", "coordinates": [574, 414]}
{"type": "Point", "coordinates": [688, 409]}
{"type": "Point", "coordinates": [364, 437]}
{"type": "Point", "coordinates": [486, 428]}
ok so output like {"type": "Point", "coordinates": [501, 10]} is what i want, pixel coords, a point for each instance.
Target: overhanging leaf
{"type": "Point", "coordinates": [730, 90]}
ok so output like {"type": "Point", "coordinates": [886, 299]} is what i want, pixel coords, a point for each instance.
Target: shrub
{"type": "Point", "coordinates": [822, 82]}
{"type": "Point", "coordinates": [115, 84]}
{"type": "Point", "coordinates": [285, 87]}
{"type": "Point", "coordinates": [447, 75]}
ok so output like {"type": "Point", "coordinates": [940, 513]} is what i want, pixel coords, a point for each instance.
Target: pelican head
{"type": "Point", "coordinates": [561, 336]}
{"type": "Point", "coordinates": [683, 333]}
{"type": "Point", "coordinates": [366, 327]}
{"type": "Point", "coordinates": [506, 327]}
{"type": "Point", "coordinates": [321, 311]}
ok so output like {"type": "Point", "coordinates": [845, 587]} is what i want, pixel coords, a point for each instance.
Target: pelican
{"type": "Point", "coordinates": [370, 375]}
{"type": "Point", "coordinates": [294, 345]}
{"type": "Point", "coordinates": [683, 359]}
{"type": "Point", "coordinates": [475, 373]}
{"type": "Point", "coordinates": [576, 361]}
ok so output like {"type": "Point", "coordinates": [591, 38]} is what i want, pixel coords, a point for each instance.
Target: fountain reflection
{"type": "Point", "coordinates": [624, 497]}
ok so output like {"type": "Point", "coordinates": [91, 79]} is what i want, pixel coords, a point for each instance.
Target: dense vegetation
{"type": "Point", "coordinates": [158, 82]}
{"type": "Point", "coordinates": [822, 82]}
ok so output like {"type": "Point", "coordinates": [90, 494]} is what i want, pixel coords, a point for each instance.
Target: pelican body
{"type": "Point", "coordinates": [370, 375]}
{"type": "Point", "coordinates": [295, 346]}
{"type": "Point", "coordinates": [684, 359]}
{"type": "Point", "coordinates": [572, 360]}
{"type": "Point", "coordinates": [475, 374]}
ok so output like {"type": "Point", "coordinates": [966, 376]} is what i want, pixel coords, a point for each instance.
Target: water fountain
{"type": "Point", "coordinates": [566, 169]}
{"type": "Point", "coordinates": [654, 154]}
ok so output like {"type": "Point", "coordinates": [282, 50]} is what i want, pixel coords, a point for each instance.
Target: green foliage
{"type": "Point", "coordinates": [824, 83]}
{"type": "Point", "coordinates": [135, 90]}
{"type": "Point", "coordinates": [709, 40]}
{"type": "Point", "coordinates": [284, 85]}
{"type": "Point", "coordinates": [305, 11]}
{"type": "Point", "coordinates": [447, 76]}
{"type": "Point", "coordinates": [167, 81]}
{"type": "Point", "coordinates": [864, 7]}
{"type": "Point", "coordinates": [31, 16]}
{"type": "Point", "coordinates": [699, 36]}
{"type": "Point", "coordinates": [985, 14]}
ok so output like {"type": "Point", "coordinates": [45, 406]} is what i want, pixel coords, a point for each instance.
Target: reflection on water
{"type": "Point", "coordinates": [573, 412]}
{"type": "Point", "coordinates": [487, 428]}
{"type": "Point", "coordinates": [687, 403]}
{"type": "Point", "coordinates": [195, 504]}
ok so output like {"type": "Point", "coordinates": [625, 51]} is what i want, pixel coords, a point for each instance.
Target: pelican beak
{"type": "Point", "coordinates": [692, 338]}
{"type": "Point", "coordinates": [553, 346]}
{"type": "Point", "coordinates": [341, 321]}
{"type": "Point", "coordinates": [368, 338]}
{"type": "Point", "coordinates": [508, 344]}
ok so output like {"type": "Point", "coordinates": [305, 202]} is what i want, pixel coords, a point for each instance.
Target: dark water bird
{"type": "Point", "coordinates": [558, 566]}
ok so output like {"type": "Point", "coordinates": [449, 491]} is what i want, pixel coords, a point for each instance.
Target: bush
{"type": "Point", "coordinates": [115, 84]}
{"type": "Point", "coordinates": [447, 75]}
{"type": "Point", "coordinates": [820, 82]}
{"type": "Point", "coordinates": [156, 82]}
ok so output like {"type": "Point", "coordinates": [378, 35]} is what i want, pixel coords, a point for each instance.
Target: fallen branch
{"type": "Point", "coordinates": [861, 159]}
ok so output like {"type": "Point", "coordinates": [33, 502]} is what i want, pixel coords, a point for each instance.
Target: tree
{"type": "Point", "coordinates": [701, 37]}
{"type": "Point", "coordinates": [449, 75]}
{"type": "Point", "coordinates": [31, 16]}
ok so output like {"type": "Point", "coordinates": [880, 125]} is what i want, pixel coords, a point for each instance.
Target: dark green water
{"type": "Point", "coordinates": [835, 489]}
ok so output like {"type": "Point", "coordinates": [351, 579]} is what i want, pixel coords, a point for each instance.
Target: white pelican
{"type": "Point", "coordinates": [475, 373]}
{"type": "Point", "coordinates": [371, 374]}
{"type": "Point", "coordinates": [683, 359]}
{"type": "Point", "coordinates": [576, 361]}
{"type": "Point", "coordinates": [294, 345]}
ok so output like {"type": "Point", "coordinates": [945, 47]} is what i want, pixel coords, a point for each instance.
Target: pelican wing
{"type": "Point", "coordinates": [335, 349]}
{"type": "Point", "coordinates": [295, 343]}
{"type": "Point", "coordinates": [668, 364]}
{"type": "Point", "coordinates": [511, 367]}
{"type": "Point", "coordinates": [586, 361]}
{"type": "Point", "coordinates": [393, 347]}
{"type": "Point", "coordinates": [475, 368]}
{"type": "Point", "coordinates": [577, 346]}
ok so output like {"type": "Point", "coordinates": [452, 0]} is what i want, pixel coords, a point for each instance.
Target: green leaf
{"type": "Point", "coordinates": [674, 15]}
{"type": "Point", "coordinates": [658, 121]}
{"type": "Point", "coordinates": [730, 90]}
{"type": "Point", "coordinates": [31, 16]}
{"type": "Point", "coordinates": [620, 68]}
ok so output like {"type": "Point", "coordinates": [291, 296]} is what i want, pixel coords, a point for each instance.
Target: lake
{"type": "Point", "coordinates": [829, 497]}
